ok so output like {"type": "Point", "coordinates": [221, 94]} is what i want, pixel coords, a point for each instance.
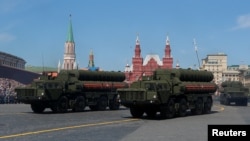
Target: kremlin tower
{"type": "Point", "coordinates": [69, 62]}
{"type": "Point", "coordinates": [151, 62]}
{"type": "Point", "coordinates": [91, 65]}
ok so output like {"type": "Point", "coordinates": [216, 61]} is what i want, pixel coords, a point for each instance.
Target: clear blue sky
{"type": "Point", "coordinates": [36, 30]}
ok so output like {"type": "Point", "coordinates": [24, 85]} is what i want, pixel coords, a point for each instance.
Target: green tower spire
{"type": "Point", "coordinates": [70, 37]}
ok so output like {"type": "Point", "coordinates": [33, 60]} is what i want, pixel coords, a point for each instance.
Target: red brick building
{"type": "Point", "coordinates": [151, 62]}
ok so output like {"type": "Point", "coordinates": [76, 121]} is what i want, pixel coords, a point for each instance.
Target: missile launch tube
{"type": "Point", "coordinates": [237, 84]}
{"type": "Point", "coordinates": [103, 85]}
{"type": "Point", "coordinates": [84, 75]}
{"type": "Point", "coordinates": [193, 75]}
{"type": "Point", "coordinates": [198, 87]}
{"type": "Point", "coordinates": [186, 75]}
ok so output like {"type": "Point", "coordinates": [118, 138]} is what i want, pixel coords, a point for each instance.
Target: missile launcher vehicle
{"type": "Point", "coordinates": [171, 92]}
{"type": "Point", "coordinates": [73, 90]}
{"type": "Point", "coordinates": [233, 92]}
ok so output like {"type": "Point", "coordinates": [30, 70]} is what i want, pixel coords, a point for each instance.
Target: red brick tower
{"type": "Point", "coordinates": [167, 59]}
{"type": "Point", "coordinates": [146, 67]}
{"type": "Point", "coordinates": [137, 61]}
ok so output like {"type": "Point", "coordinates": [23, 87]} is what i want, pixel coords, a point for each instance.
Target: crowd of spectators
{"type": "Point", "coordinates": [7, 90]}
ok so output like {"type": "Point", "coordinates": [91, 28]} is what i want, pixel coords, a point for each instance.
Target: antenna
{"type": "Point", "coordinates": [43, 62]}
{"type": "Point", "coordinates": [196, 51]}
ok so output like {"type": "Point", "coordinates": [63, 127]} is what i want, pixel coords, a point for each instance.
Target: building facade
{"type": "Point", "coordinates": [244, 72]}
{"type": "Point", "coordinates": [217, 64]}
{"type": "Point", "coordinates": [11, 61]}
{"type": "Point", "coordinates": [13, 68]}
{"type": "Point", "coordinates": [247, 78]}
{"type": "Point", "coordinates": [140, 67]}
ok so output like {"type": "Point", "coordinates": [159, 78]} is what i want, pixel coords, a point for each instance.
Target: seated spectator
{"type": "Point", "coordinates": [7, 90]}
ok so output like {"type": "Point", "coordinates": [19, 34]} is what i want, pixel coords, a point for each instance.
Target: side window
{"type": "Point", "coordinates": [162, 87]}
{"type": "Point", "coordinates": [159, 87]}
{"type": "Point", "coordinates": [57, 85]}
{"type": "Point", "coordinates": [147, 86]}
{"type": "Point", "coordinates": [150, 86]}
{"type": "Point", "coordinates": [49, 86]}
{"type": "Point", "coordinates": [40, 86]}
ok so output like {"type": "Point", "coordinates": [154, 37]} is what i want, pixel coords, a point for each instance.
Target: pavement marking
{"type": "Point", "coordinates": [221, 108]}
{"type": "Point", "coordinates": [3, 114]}
{"type": "Point", "coordinates": [67, 128]}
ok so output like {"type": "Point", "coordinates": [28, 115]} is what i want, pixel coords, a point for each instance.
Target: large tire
{"type": "Point", "coordinates": [114, 104]}
{"type": "Point", "coordinates": [221, 102]}
{"type": "Point", "coordinates": [102, 103]}
{"type": "Point", "coordinates": [242, 102]}
{"type": "Point", "coordinates": [208, 106]}
{"type": "Point", "coordinates": [136, 112]}
{"type": "Point", "coordinates": [80, 104]}
{"type": "Point", "coordinates": [182, 111]}
{"type": "Point", "coordinates": [168, 111]}
{"type": "Point", "coordinates": [93, 107]}
{"type": "Point", "coordinates": [37, 107]}
{"type": "Point", "coordinates": [61, 106]}
{"type": "Point", "coordinates": [227, 102]}
{"type": "Point", "coordinates": [198, 110]}
{"type": "Point", "coordinates": [151, 113]}
{"type": "Point", "coordinates": [245, 102]}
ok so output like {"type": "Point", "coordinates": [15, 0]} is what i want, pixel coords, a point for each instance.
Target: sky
{"type": "Point", "coordinates": [36, 30]}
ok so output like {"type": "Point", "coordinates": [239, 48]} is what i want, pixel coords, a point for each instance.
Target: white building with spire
{"type": "Point", "coordinates": [69, 59]}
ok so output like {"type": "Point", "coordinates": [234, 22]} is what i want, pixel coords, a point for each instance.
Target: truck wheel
{"type": "Point", "coordinates": [37, 108]}
{"type": "Point", "coordinates": [168, 111]}
{"type": "Point", "coordinates": [151, 113]}
{"type": "Point", "coordinates": [208, 106]}
{"type": "Point", "coordinates": [198, 107]}
{"type": "Point", "coordinates": [102, 103]}
{"type": "Point", "coordinates": [136, 112]}
{"type": "Point", "coordinates": [221, 102]}
{"type": "Point", "coordinates": [93, 107]}
{"type": "Point", "coordinates": [114, 104]}
{"type": "Point", "coordinates": [245, 102]}
{"type": "Point", "coordinates": [227, 102]}
{"type": "Point", "coordinates": [61, 106]}
{"type": "Point", "coordinates": [80, 104]}
{"type": "Point", "coordinates": [182, 108]}
{"type": "Point", "coordinates": [242, 102]}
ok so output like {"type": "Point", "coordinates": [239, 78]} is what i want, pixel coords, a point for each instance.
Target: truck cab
{"type": "Point", "coordinates": [144, 92]}
{"type": "Point", "coordinates": [233, 92]}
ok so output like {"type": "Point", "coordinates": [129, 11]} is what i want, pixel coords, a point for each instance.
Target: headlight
{"type": "Point", "coordinates": [42, 94]}
{"type": "Point", "coordinates": [154, 96]}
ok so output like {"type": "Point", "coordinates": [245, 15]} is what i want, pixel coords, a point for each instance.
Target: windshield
{"type": "Point", "coordinates": [237, 93]}
{"type": "Point", "coordinates": [47, 85]}
{"type": "Point", "coordinates": [39, 85]}
{"type": "Point", "coordinates": [150, 86]}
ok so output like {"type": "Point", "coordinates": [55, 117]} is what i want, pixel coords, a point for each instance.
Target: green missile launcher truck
{"type": "Point", "coordinates": [233, 92]}
{"type": "Point", "coordinates": [171, 92]}
{"type": "Point", "coordinates": [73, 90]}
